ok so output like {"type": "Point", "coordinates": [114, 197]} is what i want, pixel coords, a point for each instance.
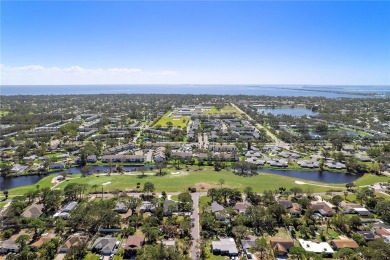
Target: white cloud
{"type": "Point", "coordinates": [37, 74]}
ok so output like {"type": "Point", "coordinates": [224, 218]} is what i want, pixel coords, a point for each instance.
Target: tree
{"type": "Point", "coordinates": [336, 200]}
{"type": "Point", "coordinates": [297, 252]}
{"type": "Point", "coordinates": [260, 246]}
{"type": "Point", "coordinates": [354, 222]}
{"type": "Point", "coordinates": [160, 166]}
{"type": "Point", "coordinates": [22, 240]}
{"type": "Point", "coordinates": [37, 225]}
{"type": "Point", "coordinates": [383, 210]}
{"type": "Point", "coordinates": [221, 182]}
{"type": "Point", "coordinates": [377, 249]}
{"type": "Point", "coordinates": [296, 190]}
{"type": "Point", "coordinates": [148, 187]}
{"type": "Point", "coordinates": [132, 203]}
{"type": "Point", "coordinates": [119, 168]}
{"type": "Point", "coordinates": [6, 194]}
{"type": "Point", "coordinates": [240, 231]}
{"type": "Point", "coordinates": [151, 233]}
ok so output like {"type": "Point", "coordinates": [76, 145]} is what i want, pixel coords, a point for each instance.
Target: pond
{"type": "Point", "coordinates": [325, 176]}
{"type": "Point", "coordinates": [291, 111]}
{"type": "Point", "coordinates": [18, 181]}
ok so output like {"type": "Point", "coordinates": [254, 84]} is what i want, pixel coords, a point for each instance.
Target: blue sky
{"type": "Point", "coordinates": [264, 42]}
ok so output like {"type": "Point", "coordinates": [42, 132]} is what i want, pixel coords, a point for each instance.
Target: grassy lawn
{"type": "Point", "coordinates": [182, 122]}
{"type": "Point", "coordinates": [224, 110]}
{"type": "Point", "coordinates": [3, 113]}
{"type": "Point", "coordinates": [91, 256]}
{"type": "Point", "coordinates": [2, 204]}
{"type": "Point", "coordinates": [202, 180]}
{"type": "Point", "coordinates": [369, 179]}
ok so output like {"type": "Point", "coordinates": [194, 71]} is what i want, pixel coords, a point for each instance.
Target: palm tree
{"type": "Point", "coordinates": [95, 186]}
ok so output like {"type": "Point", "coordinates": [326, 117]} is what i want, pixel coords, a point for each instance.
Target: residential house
{"type": "Point", "coordinates": [349, 208]}
{"type": "Point", "coordinates": [316, 247]}
{"type": "Point", "coordinates": [170, 206]}
{"type": "Point", "coordinates": [216, 207]}
{"type": "Point", "coordinates": [121, 207]}
{"type": "Point", "coordinates": [43, 239]}
{"type": "Point", "coordinates": [159, 154]}
{"type": "Point", "coordinates": [73, 241]}
{"type": "Point", "coordinates": [281, 245]}
{"type": "Point", "coordinates": [323, 207]}
{"type": "Point", "coordinates": [70, 206]}
{"type": "Point", "coordinates": [33, 211]}
{"type": "Point", "coordinates": [147, 206]}
{"type": "Point", "coordinates": [338, 244]}
{"type": "Point", "coordinates": [241, 207]}
{"type": "Point", "coordinates": [247, 244]}
{"type": "Point", "coordinates": [105, 245]}
{"type": "Point", "coordinates": [367, 235]}
{"type": "Point", "coordinates": [57, 165]}
{"type": "Point", "coordinates": [9, 246]}
{"type": "Point", "coordinates": [225, 247]}
{"type": "Point", "coordinates": [132, 244]}
{"type": "Point", "coordinates": [92, 158]}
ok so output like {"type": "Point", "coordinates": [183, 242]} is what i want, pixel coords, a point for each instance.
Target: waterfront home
{"type": "Point", "coordinates": [92, 158]}
{"type": "Point", "coordinates": [159, 154]}
{"type": "Point", "coordinates": [18, 168]}
{"type": "Point", "coordinates": [57, 165]}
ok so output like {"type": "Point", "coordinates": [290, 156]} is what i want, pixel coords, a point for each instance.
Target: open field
{"type": "Point", "coordinates": [202, 180]}
{"type": "Point", "coordinates": [182, 122]}
{"type": "Point", "coordinates": [224, 110]}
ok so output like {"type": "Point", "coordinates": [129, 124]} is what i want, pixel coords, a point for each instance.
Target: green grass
{"type": "Point", "coordinates": [2, 204]}
{"type": "Point", "coordinates": [182, 122]}
{"type": "Point", "coordinates": [3, 113]}
{"type": "Point", "coordinates": [206, 178]}
{"type": "Point", "coordinates": [224, 110]}
{"type": "Point", "coordinates": [369, 179]}
{"type": "Point", "coordinates": [91, 256]}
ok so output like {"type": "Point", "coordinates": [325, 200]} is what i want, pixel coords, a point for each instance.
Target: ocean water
{"type": "Point", "coordinates": [257, 90]}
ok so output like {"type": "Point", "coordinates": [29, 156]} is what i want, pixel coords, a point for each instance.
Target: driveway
{"type": "Point", "coordinates": [195, 230]}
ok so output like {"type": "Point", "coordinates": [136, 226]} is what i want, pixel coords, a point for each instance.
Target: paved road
{"type": "Point", "coordinates": [195, 230]}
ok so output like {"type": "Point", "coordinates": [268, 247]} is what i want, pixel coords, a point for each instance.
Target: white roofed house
{"type": "Point", "coordinates": [225, 246]}
{"type": "Point", "coordinates": [316, 247]}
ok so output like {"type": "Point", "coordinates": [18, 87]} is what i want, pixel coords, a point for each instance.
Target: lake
{"type": "Point", "coordinates": [291, 111]}
{"type": "Point", "coordinates": [325, 176]}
